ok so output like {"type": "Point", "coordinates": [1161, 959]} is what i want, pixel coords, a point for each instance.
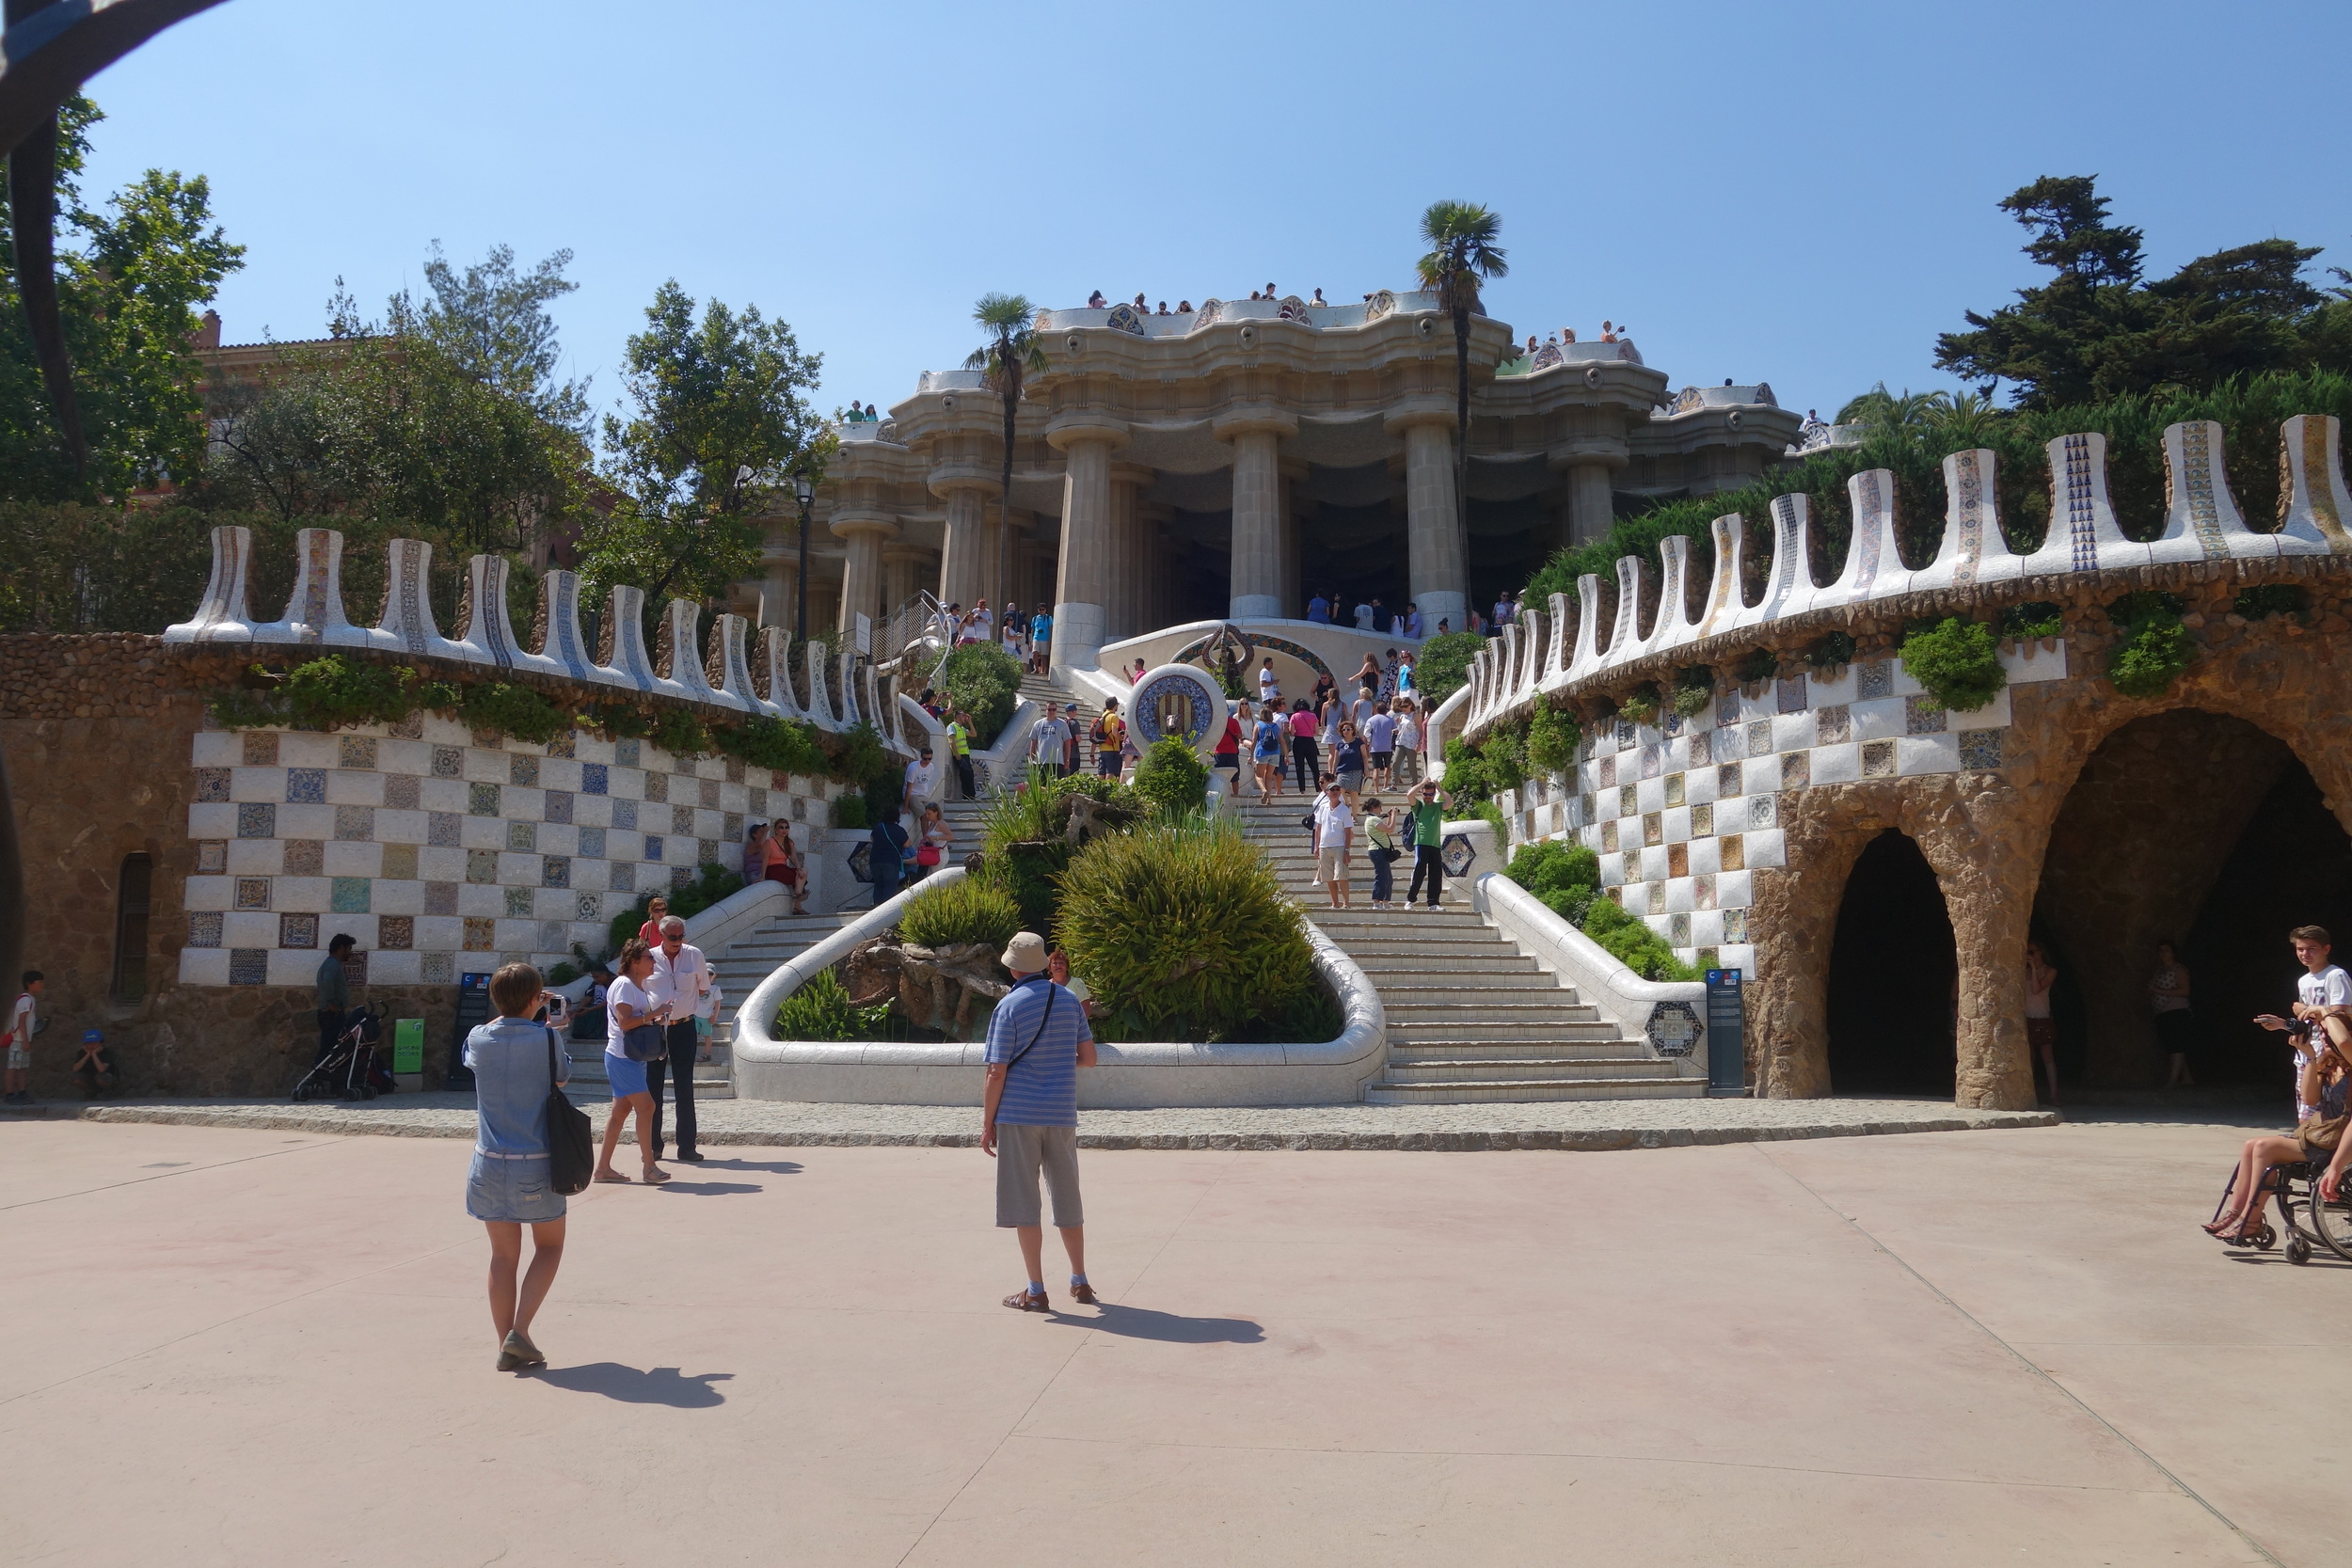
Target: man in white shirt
{"type": "Point", "coordinates": [1049, 743]}
{"type": "Point", "coordinates": [1363, 615]}
{"type": "Point", "coordinates": [1269, 687]}
{"type": "Point", "coordinates": [922, 781]}
{"type": "Point", "coordinates": [1412, 620]}
{"type": "Point", "coordinates": [2320, 985]}
{"type": "Point", "coordinates": [1335, 830]}
{"type": "Point", "coordinates": [680, 977]}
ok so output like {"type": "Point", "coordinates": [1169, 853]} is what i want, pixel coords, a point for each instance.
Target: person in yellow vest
{"type": "Point", "coordinates": [1110, 731]}
{"type": "Point", "coordinates": [959, 750]}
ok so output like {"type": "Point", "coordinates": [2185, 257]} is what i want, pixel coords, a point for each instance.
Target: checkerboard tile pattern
{"type": "Point", "coordinates": [1686, 815]}
{"type": "Point", "coordinates": [437, 851]}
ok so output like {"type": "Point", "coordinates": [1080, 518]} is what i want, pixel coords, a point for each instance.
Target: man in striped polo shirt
{"type": "Point", "coordinates": [1038, 1039]}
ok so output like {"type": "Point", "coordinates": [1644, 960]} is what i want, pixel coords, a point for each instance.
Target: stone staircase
{"type": "Point", "coordinates": [1471, 1017]}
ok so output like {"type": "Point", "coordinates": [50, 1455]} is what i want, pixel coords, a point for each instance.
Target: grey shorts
{"type": "Point", "coordinates": [19, 1058]}
{"type": "Point", "coordinates": [515, 1191]}
{"type": "Point", "coordinates": [1022, 1152]}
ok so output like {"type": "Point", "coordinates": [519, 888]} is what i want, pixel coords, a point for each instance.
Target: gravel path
{"type": "Point", "coordinates": [1601, 1124]}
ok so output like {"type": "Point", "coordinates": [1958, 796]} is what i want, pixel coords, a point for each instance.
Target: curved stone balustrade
{"type": "Point", "coordinates": [1552, 356]}
{"type": "Point", "coordinates": [720, 678]}
{"type": "Point", "coordinates": [1126, 318]}
{"type": "Point", "coordinates": [1572, 651]}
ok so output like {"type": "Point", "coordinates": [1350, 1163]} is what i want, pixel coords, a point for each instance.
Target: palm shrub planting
{"type": "Point", "coordinates": [1024, 841]}
{"type": "Point", "coordinates": [967, 910]}
{"type": "Point", "coordinates": [1183, 931]}
{"type": "Point", "coordinates": [1172, 777]}
{"type": "Point", "coordinates": [820, 1009]}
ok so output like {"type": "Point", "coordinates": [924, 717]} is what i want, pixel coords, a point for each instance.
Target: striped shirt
{"type": "Point", "coordinates": [1040, 1079]}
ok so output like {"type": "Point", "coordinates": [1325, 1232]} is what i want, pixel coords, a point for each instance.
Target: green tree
{"type": "Point", "coordinates": [131, 279]}
{"type": "Point", "coordinates": [1011, 354]}
{"type": "Point", "coordinates": [720, 416]}
{"type": "Point", "coordinates": [1462, 253]}
{"type": "Point", "coordinates": [492, 321]}
{"type": "Point", "coordinates": [2096, 330]}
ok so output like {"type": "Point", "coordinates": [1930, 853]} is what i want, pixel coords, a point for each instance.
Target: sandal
{"type": "Point", "coordinates": [1022, 1301]}
{"type": "Point", "coordinates": [655, 1176]}
{"type": "Point", "coordinates": [609, 1175]}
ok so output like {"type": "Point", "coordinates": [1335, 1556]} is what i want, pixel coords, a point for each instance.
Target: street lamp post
{"type": "Point", "coordinates": [806, 492]}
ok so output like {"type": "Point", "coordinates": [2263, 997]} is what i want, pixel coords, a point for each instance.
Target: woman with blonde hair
{"type": "Point", "coordinates": [626, 1007]}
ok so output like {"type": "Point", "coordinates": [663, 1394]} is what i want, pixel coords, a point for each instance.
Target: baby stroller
{"type": "Point", "coordinates": [348, 1070]}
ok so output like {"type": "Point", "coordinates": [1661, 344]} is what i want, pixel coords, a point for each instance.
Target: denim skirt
{"type": "Point", "coordinates": [625, 1076]}
{"type": "Point", "coordinates": [520, 1191]}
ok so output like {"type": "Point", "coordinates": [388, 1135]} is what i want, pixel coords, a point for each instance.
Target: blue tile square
{"type": "Point", "coordinates": [482, 799]}
{"type": "Point", "coordinates": [653, 847]}
{"type": "Point", "coordinates": [594, 779]}
{"type": "Point", "coordinates": [441, 828]}
{"type": "Point", "coordinates": [1981, 749]}
{"type": "Point", "coordinates": [624, 814]}
{"type": "Point", "coordinates": [591, 843]}
{"type": "Point", "coordinates": [626, 752]}
{"type": "Point", "coordinates": [555, 871]}
{"type": "Point", "coordinates": [305, 786]}
{"type": "Point", "coordinates": [204, 928]}
{"type": "Point", "coordinates": [681, 876]}
{"type": "Point", "coordinates": [351, 894]}
{"type": "Point", "coordinates": [211, 784]}
{"type": "Point", "coordinates": [248, 966]}
{"type": "Point", "coordinates": [1922, 715]}
{"type": "Point", "coordinates": [448, 762]}
{"type": "Point", "coordinates": [257, 819]}
{"type": "Point", "coordinates": [559, 805]}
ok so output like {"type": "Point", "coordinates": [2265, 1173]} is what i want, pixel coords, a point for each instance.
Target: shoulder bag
{"type": "Point", "coordinates": [647, 1042]}
{"type": "Point", "coordinates": [571, 1148]}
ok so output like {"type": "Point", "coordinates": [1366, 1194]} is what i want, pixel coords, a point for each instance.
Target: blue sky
{"type": "Point", "coordinates": [1799, 195]}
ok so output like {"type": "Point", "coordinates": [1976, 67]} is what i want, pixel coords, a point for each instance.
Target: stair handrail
{"type": "Point", "coordinates": [1600, 976]}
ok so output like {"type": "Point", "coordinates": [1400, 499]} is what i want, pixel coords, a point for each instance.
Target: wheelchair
{"type": "Point", "coordinates": [2324, 1226]}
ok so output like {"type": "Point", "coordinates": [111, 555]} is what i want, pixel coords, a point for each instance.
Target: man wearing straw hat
{"type": "Point", "coordinates": [1036, 1041]}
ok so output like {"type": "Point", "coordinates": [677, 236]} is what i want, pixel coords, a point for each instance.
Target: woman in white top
{"type": "Point", "coordinates": [1408, 768]}
{"type": "Point", "coordinates": [627, 1007]}
{"type": "Point", "coordinates": [1015, 643]}
{"type": "Point", "coordinates": [2176, 1026]}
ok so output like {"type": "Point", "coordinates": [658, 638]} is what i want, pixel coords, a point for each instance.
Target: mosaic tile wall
{"type": "Point", "coordinates": [443, 851]}
{"type": "Point", "coordinates": [1684, 814]}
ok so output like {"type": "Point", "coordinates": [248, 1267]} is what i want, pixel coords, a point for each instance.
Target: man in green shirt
{"type": "Point", "coordinates": [1425, 822]}
{"type": "Point", "coordinates": [959, 752]}
{"type": "Point", "coordinates": [334, 993]}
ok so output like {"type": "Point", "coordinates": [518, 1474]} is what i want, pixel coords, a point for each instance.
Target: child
{"type": "Point", "coordinates": [511, 1184]}
{"type": "Point", "coordinates": [20, 1040]}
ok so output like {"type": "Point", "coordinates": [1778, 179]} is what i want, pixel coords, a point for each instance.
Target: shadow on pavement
{"type": "Point", "coordinates": [707, 1189]}
{"type": "Point", "coordinates": [774, 1167]}
{"type": "Point", "coordinates": [1142, 1322]}
{"type": "Point", "coordinates": [660, 1386]}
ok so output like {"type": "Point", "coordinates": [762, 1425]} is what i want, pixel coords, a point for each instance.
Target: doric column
{"type": "Point", "coordinates": [1124, 564]}
{"type": "Point", "coordinates": [1261, 545]}
{"type": "Point", "coordinates": [1081, 590]}
{"type": "Point", "coordinates": [860, 569]}
{"type": "Point", "coordinates": [1437, 562]}
{"type": "Point", "coordinates": [780, 574]}
{"type": "Point", "coordinates": [1587, 462]}
{"type": "Point", "coordinates": [964, 571]}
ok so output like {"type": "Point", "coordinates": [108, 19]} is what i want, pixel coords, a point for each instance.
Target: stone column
{"type": "Point", "coordinates": [780, 575]}
{"type": "Point", "coordinates": [963, 572]}
{"type": "Point", "coordinates": [1586, 464]}
{"type": "Point", "coordinates": [1260, 545]}
{"type": "Point", "coordinates": [1126, 564]}
{"type": "Point", "coordinates": [1081, 589]}
{"type": "Point", "coordinates": [1437, 560]}
{"type": "Point", "coordinates": [860, 569]}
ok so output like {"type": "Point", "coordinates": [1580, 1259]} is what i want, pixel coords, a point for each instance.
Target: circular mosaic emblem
{"type": "Point", "coordinates": [1457, 854]}
{"type": "Point", "coordinates": [1673, 1028]}
{"type": "Point", "coordinates": [1175, 702]}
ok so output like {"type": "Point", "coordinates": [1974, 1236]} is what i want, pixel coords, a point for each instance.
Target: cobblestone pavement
{"type": "Point", "coordinates": [1558, 1124]}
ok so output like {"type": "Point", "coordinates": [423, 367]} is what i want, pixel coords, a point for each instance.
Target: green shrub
{"type": "Point", "coordinates": [849, 810]}
{"type": "Point", "coordinates": [1173, 778]}
{"type": "Point", "coordinates": [820, 1011]}
{"type": "Point", "coordinates": [1443, 664]}
{"type": "Point", "coordinates": [711, 884]}
{"type": "Point", "coordinates": [984, 681]}
{"type": "Point", "coordinates": [782, 746]}
{"type": "Point", "coordinates": [1639, 705]}
{"type": "Point", "coordinates": [1551, 738]}
{"type": "Point", "coordinates": [966, 910]}
{"type": "Point", "coordinates": [2154, 648]}
{"type": "Point", "coordinates": [857, 755]}
{"type": "Point", "coordinates": [564, 974]}
{"type": "Point", "coordinates": [1830, 650]}
{"type": "Point", "coordinates": [2265, 599]}
{"type": "Point", "coordinates": [515, 711]}
{"type": "Point", "coordinates": [1467, 774]}
{"type": "Point", "coordinates": [1024, 847]}
{"type": "Point", "coordinates": [1552, 866]}
{"type": "Point", "coordinates": [680, 733]}
{"type": "Point", "coordinates": [1694, 690]}
{"type": "Point", "coordinates": [1956, 662]}
{"type": "Point", "coordinates": [1505, 752]}
{"type": "Point", "coordinates": [2036, 618]}
{"type": "Point", "coordinates": [1632, 942]}
{"type": "Point", "coordinates": [1183, 931]}
{"type": "Point", "coordinates": [1760, 664]}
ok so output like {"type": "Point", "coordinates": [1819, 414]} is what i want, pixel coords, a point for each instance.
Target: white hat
{"type": "Point", "coordinates": [1025, 953]}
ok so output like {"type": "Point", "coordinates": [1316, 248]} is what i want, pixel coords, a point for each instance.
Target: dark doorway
{"type": "Point", "coordinates": [1892, 969]}
{"type": "Point", "coordinates": [2292, 866]}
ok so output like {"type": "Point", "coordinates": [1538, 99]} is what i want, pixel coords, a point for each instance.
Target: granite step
{"type": "Point", "coordinates": [1468, 1091]}
{"type": "Point", "coordinates": [1521, 1070]}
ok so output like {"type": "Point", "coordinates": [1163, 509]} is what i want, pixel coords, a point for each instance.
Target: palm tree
{"type": "Point", "coordinates": [1462, 250]}
{"type": "Point", "coordinates": [1011, 354]}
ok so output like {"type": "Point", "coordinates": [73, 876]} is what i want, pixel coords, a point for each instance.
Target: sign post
{"type": "Point", "coordinates": [1727, 1037]}
{"type": "Point", "coordinates": [408, 1053]}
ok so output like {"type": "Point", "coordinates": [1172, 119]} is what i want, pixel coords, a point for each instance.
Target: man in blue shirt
{"type": "Point", "coordinates": [1319, 609]}
{"type": "Point", "coordinates": [1038, 1039]}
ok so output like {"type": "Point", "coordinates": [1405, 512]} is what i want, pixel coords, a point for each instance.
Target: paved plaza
{"type": "Point", "coordinates": [262, 1345]}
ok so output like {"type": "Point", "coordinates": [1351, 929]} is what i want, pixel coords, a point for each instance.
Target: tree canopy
{"type": "Point", "coordinates": [2098, 329]}
{"type": "Point", "coordinates": [131, 279]}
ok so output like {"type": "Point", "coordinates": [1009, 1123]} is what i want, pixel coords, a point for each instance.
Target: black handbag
{"type": "Point", "coordinates": [571, 1147]}
{"type": "Point", "coordinates": [645, 1043]}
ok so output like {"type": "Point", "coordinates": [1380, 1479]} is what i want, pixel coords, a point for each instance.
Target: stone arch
{"type": "Point", "coordinates": [1893, 966]}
